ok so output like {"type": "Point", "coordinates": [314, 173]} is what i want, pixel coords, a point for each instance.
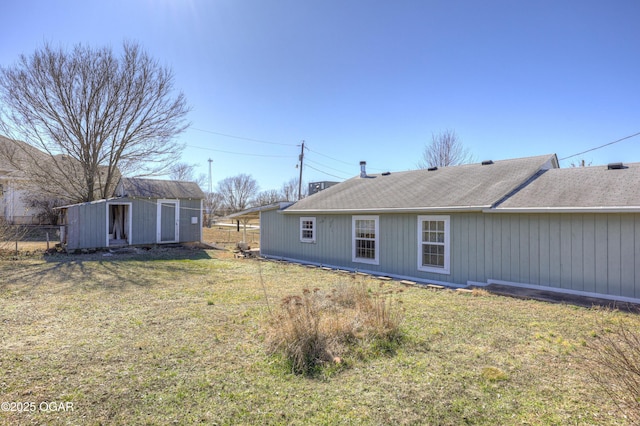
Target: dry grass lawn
{"type": "Point", "coordinates": [177, 337]}
{"type": "Point", "coordinates": [228, 236]}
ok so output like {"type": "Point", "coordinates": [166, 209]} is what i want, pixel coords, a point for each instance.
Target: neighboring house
{"type": "Point", "coordinates": [521, 222]}
{"type": "Point", "coordinates": [143, 212]}
{"type": "Point", "coordinates": [20, 166]}
{"type": "Point", "coordinates": [13, 209]}
{"type": "Point", "coordinates": [13, 188]}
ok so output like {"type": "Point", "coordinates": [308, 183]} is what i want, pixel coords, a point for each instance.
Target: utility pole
{"type": "Point", "coordinates": [208, 201]}
{"type": "Point", "coordinates": [300, 179]}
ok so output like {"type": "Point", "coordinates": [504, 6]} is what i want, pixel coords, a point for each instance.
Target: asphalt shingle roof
{"type": "Point", "coordinates": [13, 153]}
{"type": "Point", "coordinates": [580, 188]}
{"type": "Point", "coordinates": [470, 186]}
{"type": "Point", "coordinates": [156, 188]}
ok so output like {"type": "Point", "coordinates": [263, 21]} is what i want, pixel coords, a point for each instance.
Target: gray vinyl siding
{"type": "Point", "coordinates": [86, 226]}
{"type": "Point", "coordinates": [144, 220]}
{"type": "Point", "coordinates": [595, 253]}
{"type": "Point", "coordinates": [87, 222]}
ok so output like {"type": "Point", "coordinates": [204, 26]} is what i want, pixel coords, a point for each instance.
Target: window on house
{"type": "Point", "coordinates": [366, 246]}
{"type": "Point", "coordinates": [433, 244]}
{"type": "Point", "coordinates": [308, 229]}
{"type": "Point", "coordinates": [1, 190]}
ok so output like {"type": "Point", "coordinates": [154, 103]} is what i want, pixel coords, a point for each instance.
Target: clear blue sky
{"type": "Point", "coordinates": [371, 80]}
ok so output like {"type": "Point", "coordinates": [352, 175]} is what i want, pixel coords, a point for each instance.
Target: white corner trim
{"type": "Point", "coordinates": [201, 220]}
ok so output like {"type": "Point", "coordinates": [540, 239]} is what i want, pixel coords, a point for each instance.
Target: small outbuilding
{"type": "Point", "coordinates": [142, 212]}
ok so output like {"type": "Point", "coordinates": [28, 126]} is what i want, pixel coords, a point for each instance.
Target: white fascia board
{"type": "Point", "coordinates": [278, 206]}
{"type": "Point", "coordinates": [613, 209]}
{"type": "Point", "coordinates": [389, 210]}
{"type": "Point", "coordinates": [103, 200]}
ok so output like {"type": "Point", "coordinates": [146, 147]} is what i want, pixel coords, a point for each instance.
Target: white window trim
{"type": "Point", "coordinates": [313, 230]}
{"type": "Point", "coordinates": [376, 260]}
{"type": "Point", "coordinates": [447, 244]}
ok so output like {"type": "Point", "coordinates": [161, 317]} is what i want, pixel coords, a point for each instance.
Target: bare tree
{"type": "Point", "coordinates": [212, 205]}
{"type": "Point", "coordinates": [580, 163]}
{"type": "Point", "coordinates": [44, 206]}
{"type": "Point", "coordinates": [94, 114]}
{"type": "Point", "coordinates": [289, 190]}
{"type": "Point", "coordinates": [181, 171]}
{"type": "Point", "coordinates": [186, 172]}
{"type": "Point", "coordinates": [265, 198]}
{"type": "Point", "coordinates": [445, 149]}
{"type": "Point", "coordinates": [237, 192]}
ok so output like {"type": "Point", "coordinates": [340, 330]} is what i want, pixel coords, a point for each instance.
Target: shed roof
{"type": "Point", "coordinates": [580, 188]}
{"type": "Point", "coordinates": [465, 187]}
{"type": "Point", "coordinates": [254, 212]}
{"type": "Point", "coordinates": [157, 188]}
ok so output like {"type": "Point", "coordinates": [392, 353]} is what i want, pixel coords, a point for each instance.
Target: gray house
{"type": "Point", "coordinates": [143, 211]}
{"type": "Point", "coordinates": [520, 222]}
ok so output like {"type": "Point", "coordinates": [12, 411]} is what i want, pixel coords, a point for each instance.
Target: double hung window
{"type": "Point", "coordinates": [308, 229]}
{"type": "Point", "coordinates": [366, 247]}
{"type": "Point", "coordinates": [433, 244]}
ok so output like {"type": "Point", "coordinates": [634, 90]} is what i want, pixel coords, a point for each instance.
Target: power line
{"type": "Point", "coordinates": [331, 158]}
{"type": "Point", "coordinates": [323, 172]}
{"type": "Point", "coordinates": [335, 159]}
{"type": "Point", "coordinates": [304, 147]}
{"type": "Point", "coordinates": [601, 146]}
{"type": "Point", "coordinates": [327, 167]}
{"type": "Point", "coordinates": [241, 153]}
{"type": "Point", "coordinates": [244, 138]}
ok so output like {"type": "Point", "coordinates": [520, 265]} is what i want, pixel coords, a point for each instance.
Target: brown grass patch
{"type": "Point", "coordinates": [320, 327]}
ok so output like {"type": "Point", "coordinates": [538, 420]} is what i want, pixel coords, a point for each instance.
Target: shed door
{"type": "Point", "coordinates": [168, 221]}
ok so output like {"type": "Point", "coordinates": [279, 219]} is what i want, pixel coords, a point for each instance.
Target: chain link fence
{"type": "Point", "coordinates": [17, 238]}
{"type": "Point", "coordinates": [29, 238]}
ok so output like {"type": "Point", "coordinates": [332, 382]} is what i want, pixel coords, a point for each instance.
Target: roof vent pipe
{"type": "Point", "coordinates": [363, 169]}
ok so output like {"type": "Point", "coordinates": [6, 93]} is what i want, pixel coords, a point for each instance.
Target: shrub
{"type": "Point", "coordinates": [613, 361]}
{"type": "Point", "coordinates": [297, 333]}
{"type": "Point", "coordinates": [318, 328]}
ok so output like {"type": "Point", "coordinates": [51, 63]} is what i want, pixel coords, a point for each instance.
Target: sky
{"type": "Point", "coordinates": [370, 80]}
